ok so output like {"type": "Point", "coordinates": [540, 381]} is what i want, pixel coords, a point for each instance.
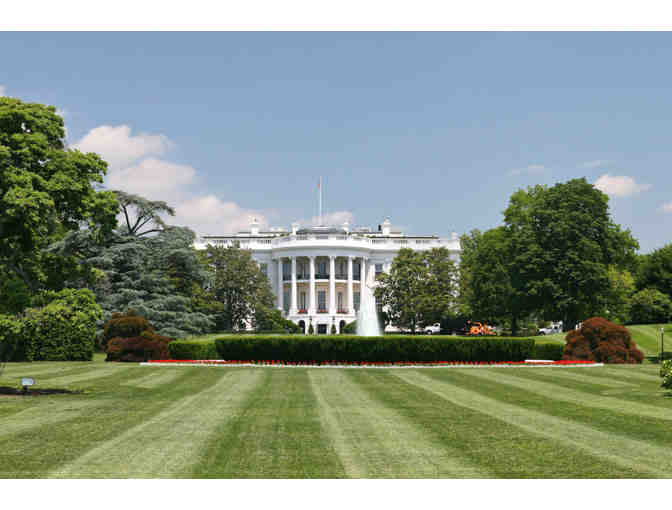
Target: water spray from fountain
{"type": "Point", "coordinates": [367, 317]}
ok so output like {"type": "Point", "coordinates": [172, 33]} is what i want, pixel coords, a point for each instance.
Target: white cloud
{"type": "Point", "coordinates": [619, 185]}
{"type": "Point", "coordinates": [134, 168]}
{"type": "Point", "coordinates": [334, 218]}
{"type": "Point", "coordinates": [594, 164]}
{"type": "Point", "coordinates": [119, 147]}
{"type": "Point", "coordinates": [529, 170]}
{"type": "Point", "coordinates": [666, 208]}
{"type": "Point", "coordinates": [153, 178]}
{"type": "Point", "coordinates": [2, 90]}
{"type": "Point", "coordinates": [210, 215]}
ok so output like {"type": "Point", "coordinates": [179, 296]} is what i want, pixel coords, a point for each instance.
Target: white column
{"type": "Point", "coordinates": [332, 285]}
{"type": "Point", "coordinates": [362, 284]}
{"type": "Point", "coordinates": [293, 308]}
{"type": "Point", "coordinates": [311, 304]}
{"type": "Point", "coordinates": [351, 296]}
{"type": "Point", "coordinates": [281, 285]}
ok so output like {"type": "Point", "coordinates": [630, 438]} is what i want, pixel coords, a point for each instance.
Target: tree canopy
{"type": "Point", "coordinates": [420, 288]}
{"type": "Point", "coordinates": [46, 191]}
{"type": "Point", "coordinates": [238, 284]}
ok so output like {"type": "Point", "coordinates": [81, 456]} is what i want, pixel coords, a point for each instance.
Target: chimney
{"type": "Point", "coordinates": [254, 227]}
{"type": "Point", "coordinates": [387, 227]}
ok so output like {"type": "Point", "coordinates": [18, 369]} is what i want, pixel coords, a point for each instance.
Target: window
{"type": "Point", "coordinates": [356, 301]}
{"type": "Point", "coordinates": [321, 300]}
{"type": "Point", "coordinates": [302, 301]}
{"type": "Point", "coordinates": [322, 265]}
{"type": "Point", "coordinates": [379, 306]}
{"type": "Point", "coordinates": [379, 269]}
{"type": "Point", "coordinates": [264, 269]}
{"type": "Point", "coordinates": [340, 301]}
{"type": "Point", "coordinates": [356, 270]}
{"type": "Point", "coordinates": [286, 270]}
{"type": "Point", "coordinates": [285, 300]}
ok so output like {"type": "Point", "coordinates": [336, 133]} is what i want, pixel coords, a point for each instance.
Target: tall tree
{"type": "Point", "coordinates": [655, 270]}
{"type": "Point", "coordinates": [563, 244]}
{"type": "Point", "coordinates": [419, 289]}
{"type": "Point", "coordinates": [239, 285]}
{"type": "Point", "coordinates": [46, 191]}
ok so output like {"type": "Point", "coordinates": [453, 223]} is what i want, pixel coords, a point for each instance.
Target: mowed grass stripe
{"type": "Point", "coordinates": [579, 375]}
{"type": "Point", "coordinates": [170, 442]}
{"type": "Point", "coordinates": [634, 427]}
{"type": "Point", "coordinates": [499, 448]}
{"type": "Point", "coordinates": [635, 457]}
{"type": "Point", "coordinates": [278, 434]}
{"type": "Point", "coordinates": [42, 448]}
{"type": "Point", "coordinates": [526, 381]}
{"type": "Point", "coordinates": [156, 377]}
{"type": "Point", "coordinates": [93, 372]}
{"type": "Point", "coordinates": [632, 373]}
{"type": "Point", "coordinates": [372, 440]}
{"type": "Point", "coordinates": [49, 413]}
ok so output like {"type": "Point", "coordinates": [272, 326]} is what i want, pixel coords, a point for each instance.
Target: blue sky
{"type": "Point", "coordinates": [435, 130]}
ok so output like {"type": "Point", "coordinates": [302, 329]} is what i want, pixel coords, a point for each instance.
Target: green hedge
{"type": "Point", "coordinates": [548, 351]}
{"type": "Point", "coordinates": [193, 349]}
{"type": "Point", "coordinates": [356, 348]}
{"type": "Point", "coordinates": [10, 336]}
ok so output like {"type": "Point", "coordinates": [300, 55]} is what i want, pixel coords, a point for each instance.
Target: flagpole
{"type": "Point", "coordinates": [320, 186]}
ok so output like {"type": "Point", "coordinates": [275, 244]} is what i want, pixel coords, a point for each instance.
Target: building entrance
{"type": "Point", "coordinates": [321, 329]}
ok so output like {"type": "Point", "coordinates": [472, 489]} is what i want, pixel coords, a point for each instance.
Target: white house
{"type": "Point", "coordinates": [316, 273]}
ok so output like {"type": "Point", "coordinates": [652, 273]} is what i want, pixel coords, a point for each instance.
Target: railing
{"type": "Point", "coordinates": [322, 276]}
{"type": "Point", "coordinates": [286, 277]}
{"type": "Point", "coordinates": [342, 311]}
{"type": "Point", "coordinates": [354, 239]}
{"type": "Point", "coordinates": [341, 276]}
{"type": "Point", "coordinates": [303, 276]}
{"type": "Point", "coordinates": [323, 311]}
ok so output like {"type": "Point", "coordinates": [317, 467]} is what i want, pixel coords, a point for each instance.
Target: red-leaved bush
{"type": "Point", "coordinates": [601, 341]}
{"type": "Point", "coordinates": [147, 346]}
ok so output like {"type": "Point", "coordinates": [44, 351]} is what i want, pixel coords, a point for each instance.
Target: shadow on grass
{"type": "Point", "coordinates": [9, 391]}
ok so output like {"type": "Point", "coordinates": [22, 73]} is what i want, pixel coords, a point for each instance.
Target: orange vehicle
{"type": "Point", "coordinates": [479, 329]}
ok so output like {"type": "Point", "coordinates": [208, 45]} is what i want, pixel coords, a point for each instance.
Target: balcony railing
{"type": "Point", "coordinates": [286, 277]}
{"type": "Point", "coordinates": [322, 311]}
{"type": "Point", "coordinates": [341, 276]}
{"type": "Point", "coordinates": [322, 276]}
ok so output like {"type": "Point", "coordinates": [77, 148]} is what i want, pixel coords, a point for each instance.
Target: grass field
{"type": "Point", "coordinates": [646, 336]}
{"type": "Point", "coordinates": [134, 421]}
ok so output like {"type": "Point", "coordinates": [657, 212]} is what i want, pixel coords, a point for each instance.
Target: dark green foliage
{"type": "Point", "coordinates": [153, 275]}
{"type": "Point", "coordinates": [10, 336]}
{"type": "Point", "coordinates": [147, 346]}
{"type": "Point", "coordinates": [650, 306]}
{"type": "Point", "coordinates": [548, 351]}
{"type": "Point", "coordinates": [63, 329]}
{"type": "Point", "coordinates": [270, 319]}
{"type": "Point", "coordinates": [419, 289]}
{"type": "Point", "coordinates": [350, 328]}
{"type": "Point", "coordinates": [601, 341]}
{"type": "Point", "coordinates": [655, 270]}
{"type": "Point", "coordinates": [192, 349]}
{"type": "Point", "coordinates": [387, 348]}
{"type": "Point", "coordinates": [46, 191]}
{"type": "Point", "coordinates": [238, 284]}
{"type": "Point", "coordinates": [126, 325]}
{"type": "Point", "coordinates": [333, 329]}
{"type": "Point", "coordinates": [311, 329]}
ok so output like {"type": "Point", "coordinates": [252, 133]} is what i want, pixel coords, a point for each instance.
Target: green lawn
{"type": "Point", "coordinates": [134, 421]}
{"type": "Point", "coordinates": [646, 336]}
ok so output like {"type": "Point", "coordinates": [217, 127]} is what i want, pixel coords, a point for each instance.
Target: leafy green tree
{"type": "Point", "coordinates": [46, 191]}
{"type": "Point", "coordinates": [563, 244]}
{"type": "Point", "coordinates": [271, 319]}
{"type": "Point", "coordinates": [650, 306]}
{"type": "Point", "coordinates": [238, 284]}
{"type": "Point", "coordinates": [617, 300]}
{"type": "Point", "coordinates": [489, 287]}
{"type": "Point", "coordinates": [655, 270]}
{"type": "Point", "coordinates": [420, 288]}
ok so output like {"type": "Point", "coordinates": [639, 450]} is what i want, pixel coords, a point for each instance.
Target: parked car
{"type": "Point", "coordinates": [556, 327]}
{"type": "Point", "coordinates": [434, 329]}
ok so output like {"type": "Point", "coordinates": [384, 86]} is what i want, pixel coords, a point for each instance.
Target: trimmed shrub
{"type": "Point", "coordinates": [128, 325]}
{"type": "Point", "coordinates": [389, 348]}
{"type": "Point", "coordinates": [666, 374]}
{"type": "Point", "coordinates": [548, 351]}
{"type": "Point", "coordinates": [192, 349]}
{"type": "Point", "coordinates": [650, 306]}
{"type": "Point", "coordinates": [147, 346]}
{"type": "Point", "coordinates": [601, 341]}
{"type": "Point", "coordinates": [351, 328]}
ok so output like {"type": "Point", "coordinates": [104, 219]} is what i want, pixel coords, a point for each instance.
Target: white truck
{"type": "Point", "coordinates": [556, 327]}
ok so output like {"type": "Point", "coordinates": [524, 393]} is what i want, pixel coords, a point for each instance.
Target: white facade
{"type": "Point", "coordinates": [316, 273]}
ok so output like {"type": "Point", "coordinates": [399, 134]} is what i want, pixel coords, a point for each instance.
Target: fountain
{"type": "Point", "coordinates": [367, 318]}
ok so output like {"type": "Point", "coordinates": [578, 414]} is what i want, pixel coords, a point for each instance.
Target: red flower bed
{"type": "Point", "coordinates": [368, 363]}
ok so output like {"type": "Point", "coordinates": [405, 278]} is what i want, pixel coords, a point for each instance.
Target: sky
{"type": "Point", "coordinates": [434, 130]}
